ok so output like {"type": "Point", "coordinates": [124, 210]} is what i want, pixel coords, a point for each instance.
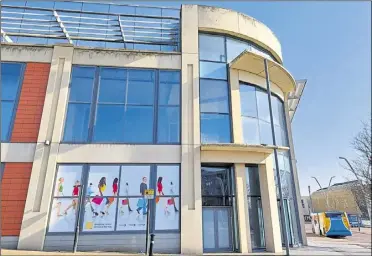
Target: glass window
{"type": "Point", "coordinates": [112, 85]}
{"type": "Point", "coordinates": [77, 122]}
{"type": "Point", "coordinates": [141, 85]}
{"type": "Point", "coordinates": [11, 77]}
{"type": "Point", "coordinates": [263, 105]}
{"type": "Point", "coordinates": [169, 88]}
{"type": "Point", "coordinates": [81, 87]}
{"type": "Point", "coordinates": [265, 133]}
{"type": "Point", "coordinates": [212, 48]}
{"type": "Point", "coordinates": [169, 125]}
{"type": "Point", "coordinates": [67, 188]}
{"type": "Point", "coordinates": [138, 124]}
{"type": "Point", "coordinates": [248, 102]}
{"type": "Point", "coordinates": [251, 132]}
{"type": "Point", "coordinates": [215, 128]}
{"type": "Point", "coordinates": [235, 48]}
{"type": "Point", "coordinates": [214, 96]}
{"type": "Point", "coordinates": [253, 181]}
{"type": "Point", "coordinates": [124, 109]}
{"type": "Point", "coordinates": [213, 70]}
{"type": "Point", "coordinates": [109, 125]}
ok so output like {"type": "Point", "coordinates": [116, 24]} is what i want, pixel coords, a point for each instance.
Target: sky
{"type": "Point", "coordinates": [329, 44]}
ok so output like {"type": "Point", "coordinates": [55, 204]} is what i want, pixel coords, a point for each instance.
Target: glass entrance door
{"type": "Point", "coordinates": [218, 201]}
{"type": "Point", "coordinates": [217, 229]}
{"type": "Point", "coordinates": [287, 221]}
{"type": "Point", "coordinates": [256, 223]}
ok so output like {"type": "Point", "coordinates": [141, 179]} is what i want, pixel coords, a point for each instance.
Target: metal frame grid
{"type": "Point", "coordinates": [125, 28]}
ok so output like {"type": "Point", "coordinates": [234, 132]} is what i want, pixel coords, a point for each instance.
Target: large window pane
{"type": "Point", "coordinates": [248, 102]}
{"type": "Point", "coordinates": [250, 130]}
{"type": "Point", "coordinates": [215, 181]}
{"type": "Point", "coordinates": [265, 133]}
{"type": "Point", "coordinates": [263, 105]}
{"type": "Point", "coordinates": [167, 213]}
{"type": "Point", "coordinates": [214, 96]}
{"type": "Point", "coordinates": [168, 180]}
{"type": "Point", "coordinates": [169, 88]}
{"type": "Point", "coordinates": [6, 118]}
{"type": "Point", "coordinates": [109, 125]}
{"type": "Point", "coordinates": [140, 89]}
{"type": "Point", "coordinates": [169, 125]}
{"type": "Point", "coordinates": [128, 219]}
{"type": "Point", "coordinates": [77, 122]}
{"type": "Point", "coordinates": [213, 70]}
{"type": "Point", "coordinates": [208, 229]}
{"type": "Point", "coordinates": [103, 180]}
{"type": "Point", "coordinates": [253, 181]}
{"type": "Point", "coordinates": [235, 48]}
{"type": "Point", "coordinates": [138, 124]}
{"type": "Point", "coordinates": [215, 128]}
{"type": "Point", "coordinates": [10, 80]}
{"type": "Point", "coordinates": [212, 48]}
{"type": "Point", "coordinates": [82, 81]}
{"type": "Point", "coordinates": [134, 180]}
{"type": "Point", "coordinates": [112, 85]}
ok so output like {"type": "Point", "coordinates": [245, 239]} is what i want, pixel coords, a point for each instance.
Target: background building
{"type": "Point", "coordinates": [116, 99]}
{"type": "Point", "coordinates": [344, 196]}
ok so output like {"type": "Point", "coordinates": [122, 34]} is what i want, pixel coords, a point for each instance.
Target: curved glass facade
{"type": "Point", "coordinates": [255, 114]}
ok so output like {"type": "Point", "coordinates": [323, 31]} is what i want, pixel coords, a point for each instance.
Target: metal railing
{"type": "Point", "coordinates": [130, 30]}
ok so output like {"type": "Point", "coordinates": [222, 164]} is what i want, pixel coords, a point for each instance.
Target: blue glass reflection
{"type": "Point", "coordinates": [6, 117]}
{"type": "Point", "coordinates": [214, 96]}
{"type": "Point", "coordinates": [215, 128]}
{"type": "Point", "coordinates": [235, 48]}
{"type": "Point", "coordinates": [251, 133]}
{"type": "Point", "coordinates": [112, 85]}
{"type": "Point", "coordinates": [213, 70]}
{"type": "Point", "coordinates": [263, 105]}
{"type": "Point", "coordinates": [248, 102]}
{"type": "Point", "coordinates": [138, 124]}
{"type": "Point", "coordinates": [109, 126]}
{"type": "Point", "coordinates": [169, 125]}
{"type": "Point", "coordinates": [212, 47]}
{"type": "Point", "coordinates": [265, 133]}
{"type": "Point", "coordinates": [81, 88]}
{"type": "Point", "coordinates": [10, 80]}
{"type": "Point", "coordinates": [77, 121]}
{"type": "Point", "coordinates": [141, 85]}
{"type": "Point", "coordinates": [169, 88]}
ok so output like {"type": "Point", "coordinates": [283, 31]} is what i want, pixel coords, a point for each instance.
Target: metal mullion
{"type": "Point", "coordinates": [94, 102]}
{"type": "Point", "coordinates": [84, 177]}
{"type": "Point", "coordinates": [156, 108]}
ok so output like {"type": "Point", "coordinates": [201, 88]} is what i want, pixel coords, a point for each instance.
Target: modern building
{"type": "Point", "coordinates": [101, 102]}
{"type": "Point", "coordinates": [344, 196]}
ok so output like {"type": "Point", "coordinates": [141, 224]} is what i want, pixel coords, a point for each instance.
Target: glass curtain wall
{"type": "Point", "coordinates": [118, 105]}
{"type": "Point", "coordinates": [256, 220]}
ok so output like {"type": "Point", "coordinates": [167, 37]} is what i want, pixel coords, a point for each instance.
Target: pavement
{"type": "Point", "coordinates": [358, 244]}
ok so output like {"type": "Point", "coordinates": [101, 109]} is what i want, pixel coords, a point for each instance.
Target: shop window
{"type": "Point", "coordinates": [113, 198]}
{"type": "Point", "coordinates": [116, 105]}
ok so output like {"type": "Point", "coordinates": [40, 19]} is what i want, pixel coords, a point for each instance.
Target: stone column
{"type": "Point", "coordinates": [39, 195]}
{"type": "Point", "coordinates": [191, 208]}
{"type": "Point", "coordinates": [270, 207]}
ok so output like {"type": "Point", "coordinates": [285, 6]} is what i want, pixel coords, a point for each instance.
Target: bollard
{"type": "Point", "coordinates": [151, 244]}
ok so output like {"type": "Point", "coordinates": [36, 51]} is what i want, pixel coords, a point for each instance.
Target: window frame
{"type": "Point", "coordinates": [95, 102]}
{"type": "Point", "coordinates": [15, 102]}
{"type": "Point", "coordinates": [152, 180]}
{"type": "Point", "coordinates": [283, 129]}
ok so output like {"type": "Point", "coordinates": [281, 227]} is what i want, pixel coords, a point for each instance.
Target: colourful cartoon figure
{"type": "Point", "coordinates": [60, 186]}
{"type": "Point", "coordinates": [98, 199]}
{"type": "Point", "coordinates": [111, 200]}
{"type": "Point", "coordinates": [125, 201]}
{"type": "Point", "coordinates": [142, 204]}
{"type": "Point", "coordinates": [75, 193]}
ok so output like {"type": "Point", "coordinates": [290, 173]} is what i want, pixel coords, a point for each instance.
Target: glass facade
{"type": "Point", "coordinates": [256, 125]}
{"type": "Point", "coordinates": [11, 79]}
{"type": "Point", "coordinates": [117, 105]}
{"type": "Point", "coordinates": [113, 198]}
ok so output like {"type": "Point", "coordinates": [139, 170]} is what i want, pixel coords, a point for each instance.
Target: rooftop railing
{"type": "Point", "coordinates": [92, 24]}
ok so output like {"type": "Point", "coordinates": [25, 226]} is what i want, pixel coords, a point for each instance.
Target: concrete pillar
{"type": "Point", "coordinates": [296, 186]}
{"type": "Point", "coordinates": [191, 213]}
{"type": "Point", "coordinates": [242, 208]}
{"type": "Point", "coordinates": [269, 206]}
{"type": "Point", "coordinates": [37, 205]}
{"type": "Point", "coordinates": [235, 106]}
